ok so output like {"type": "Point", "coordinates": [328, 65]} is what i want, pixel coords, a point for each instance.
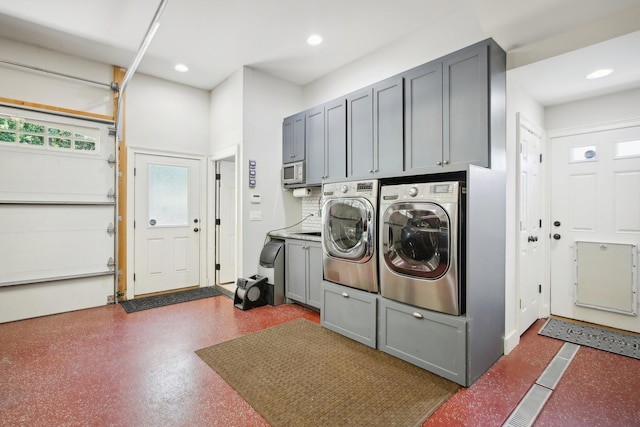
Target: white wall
{"type": "Point", "coordinates": [602, 109]}
{"type": "Point", "coordinates": [167, 116]}
{"type": "Point", "coordinates": [266, 101]}
{"type": "Point", "coordinates": [226, 113]}
{"type": "Point", "coordinates": [35, 87]}
{"type": "Point", "coordinates": [416, 49]}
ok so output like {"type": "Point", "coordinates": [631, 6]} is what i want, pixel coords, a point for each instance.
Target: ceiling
{"type": "Point", "coordinates": [214, 38]}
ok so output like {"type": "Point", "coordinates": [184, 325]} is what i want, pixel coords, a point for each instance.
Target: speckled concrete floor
{"type": "Point", "coordinates": [103, 367]}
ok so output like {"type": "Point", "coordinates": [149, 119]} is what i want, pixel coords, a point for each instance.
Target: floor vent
{"type": "Point", "coordinates": [529, 407]}
{"type": "Point", "coordinates": [554, 371]}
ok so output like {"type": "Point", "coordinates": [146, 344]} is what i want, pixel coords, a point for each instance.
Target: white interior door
{"type": "Point", "coordinates": [530, 268]}
{"type": "Point", "coordinates": [226, 232]}
{"type": "Point", "coordinates": [595, 198]}
{"type": "Point", "coordinates": [167, 223]}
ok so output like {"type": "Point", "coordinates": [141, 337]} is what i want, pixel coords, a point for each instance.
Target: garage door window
{"type": "Point", "coordinates": [36, 133]}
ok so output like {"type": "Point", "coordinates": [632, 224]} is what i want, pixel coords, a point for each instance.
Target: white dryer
{"type": "Point", "coordinates": [421, 245]}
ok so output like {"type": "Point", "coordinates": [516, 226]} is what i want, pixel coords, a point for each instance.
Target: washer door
{"type": "Point", "coordinates": [416, 239]}
{"type": "Point", "coordinates": [348, 229]}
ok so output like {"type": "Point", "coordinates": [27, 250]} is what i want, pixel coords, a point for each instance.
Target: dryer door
{"type": "Point", "coordinates": [348, 230]}
{"type": "Point", "coordinates": [416, 239]}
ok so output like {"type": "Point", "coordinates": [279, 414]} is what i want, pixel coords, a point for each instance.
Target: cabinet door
{"type": "Point", "coordinates": [423, 117]}
{"type": "Point", "coordinates": [287, 139]}
{"type": "Point", "coordinates": [360, 133]}
{"type": "Point", "coordinates": [315, 141]}
{"type": "Point", "coordinates": [388, 122]}
{"type": "Point", "coordinates": [296, 271]}
{"type": "Point", "coordinates": [466, 118]}
{"type": "Point", "coordinates": [314, 291]}
{"type": "Point", "coordinates": [349, 312]}
{"type": "Point", "coordinates": [336, 139]}
{"type": "Point", "coordinates": [433, 341]}
{"type": "Point", "coordinates": [293, 134]}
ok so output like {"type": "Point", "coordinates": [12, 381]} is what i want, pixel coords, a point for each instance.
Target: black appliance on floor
{"type": "Point", "coordinates": [266, 287]}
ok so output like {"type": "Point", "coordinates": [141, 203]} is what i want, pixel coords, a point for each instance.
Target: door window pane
{"type": "Point", "coordinates": [583, 154]}
{"type": "Point", "coordinates": [168, 195]}
{"type": "Point", "coordinates": [627, 149]}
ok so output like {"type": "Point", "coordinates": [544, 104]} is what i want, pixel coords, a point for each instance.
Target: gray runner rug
{"type": "Point", "coordinates": [590, 336]}
{"type": "Point", "coordinates": [146, 303]}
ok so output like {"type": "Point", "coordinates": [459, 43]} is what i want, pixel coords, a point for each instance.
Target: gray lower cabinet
{"type": "Point", "coordinates": [303, 267]}
{"type": "Point", "coordinates": [433, 341]}
{"type": "Point", "coordinates": [349, 312]}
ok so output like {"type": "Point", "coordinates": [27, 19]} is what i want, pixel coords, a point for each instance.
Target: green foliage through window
{"type": "Point", "coordinates": [35, 133]}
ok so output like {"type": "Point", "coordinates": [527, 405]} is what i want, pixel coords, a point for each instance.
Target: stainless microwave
{"type": "Point", "coordinates": [293, 173]}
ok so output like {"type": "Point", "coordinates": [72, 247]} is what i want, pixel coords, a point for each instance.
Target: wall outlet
{"type": "Point", "coordinates": [110, 299]}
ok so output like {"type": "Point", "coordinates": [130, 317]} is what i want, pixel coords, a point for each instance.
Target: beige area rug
{"type": "Point", "coordinates": [300, 374]}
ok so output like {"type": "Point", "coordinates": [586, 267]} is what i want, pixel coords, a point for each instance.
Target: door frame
{"type": "Point", "coordinates": [211, 273]}
{"type": "Point", "coordinates": [130, 202]}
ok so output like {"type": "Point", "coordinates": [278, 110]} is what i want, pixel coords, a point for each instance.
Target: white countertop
{"type": "Point", "coordinates": [300, 235]}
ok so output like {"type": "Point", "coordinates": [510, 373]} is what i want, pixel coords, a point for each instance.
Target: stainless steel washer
{"type": "Point", "coordinates": [420, 245]}
{"type": "Point", "coordinates": [349, 232]}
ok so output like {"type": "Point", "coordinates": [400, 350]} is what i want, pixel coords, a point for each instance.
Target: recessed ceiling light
{"type": "Point", "coordinates": [314, 40]}
{"type": "Point", "coordinates": [181, 68]}
{"type": "Point", "coordinates": [599, 73]}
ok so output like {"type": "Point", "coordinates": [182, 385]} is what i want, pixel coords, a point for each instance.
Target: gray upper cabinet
{"type": "Point", "coordinates": [423, 116]}
{"type": "Point", "coordinates": [447, 112]}
{"type": "Point", "coordinates": [293, 138]}
{"type": "Point", "coordinates": [388, 122]}
{"type": "Point", "coordinates": [360, 133]}
{"type": "Point", "coordinates": [326, 139]}
{"type": "Point", "coordinates": [439, 117]}
{"type": "Point", "coordinates": [466, 108]}
{"type": "Point", "coordinates": [315, 140]}
{"type": "Point", "coordinates": [375, 130]}
{"type": "Point", "coordinates": [335, 140]}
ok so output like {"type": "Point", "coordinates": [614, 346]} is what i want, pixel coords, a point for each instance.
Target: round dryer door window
{"type": "Point", "coordinates": [416, 239]}
{"type": "Point", "coordinates": [348, 231]}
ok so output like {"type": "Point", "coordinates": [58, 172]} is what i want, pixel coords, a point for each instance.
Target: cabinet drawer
{"type": "Point", "coordinates": [349, 312]}
{"type": "Point", "coordinates": [433, 341]}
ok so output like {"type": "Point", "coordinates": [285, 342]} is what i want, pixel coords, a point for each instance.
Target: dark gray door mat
{"type": "Point", "coordinates": [589, 336]}
{"type": "Point", "coordinates": [146, 303]}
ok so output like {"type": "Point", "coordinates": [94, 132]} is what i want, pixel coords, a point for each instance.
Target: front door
{"type": "Point", "coordinates": [595, 198]}
{"type": "Point", "coordinates": [167, 223]}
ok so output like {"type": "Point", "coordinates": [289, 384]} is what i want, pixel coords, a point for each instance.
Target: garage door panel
{"type": "Point", "coordinates": [57, 213]}
{"type": "Point", "coordinates": [45, 242]}
{"type": "Point", "coordinates": [28, 175]}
